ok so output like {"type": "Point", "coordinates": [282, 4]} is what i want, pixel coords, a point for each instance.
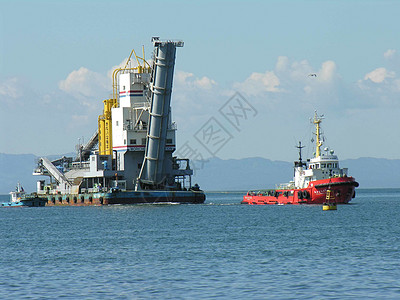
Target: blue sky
{"type": "Point", "coordinates": [55, 59]}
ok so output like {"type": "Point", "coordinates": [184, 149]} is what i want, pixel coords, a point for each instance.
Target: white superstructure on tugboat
{"type": "Point", "coordinates": [130, 157]}
{"type": "Point", "coordinates": [317, 181]}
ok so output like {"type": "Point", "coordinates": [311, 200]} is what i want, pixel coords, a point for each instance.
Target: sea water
{"type": "Point", "coordinates": [220, 249]}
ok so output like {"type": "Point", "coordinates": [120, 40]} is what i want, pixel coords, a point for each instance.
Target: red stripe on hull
{"type": "Point", "coordinates": [341, 188]}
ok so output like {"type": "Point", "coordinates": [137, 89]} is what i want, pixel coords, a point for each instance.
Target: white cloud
{"type": "Point", "coordinates": [284, 95]}
{"type": "Point", "coordinates": [379, 75]}
{"type": "Point", "coordinates": [84, 83]}
{"type": "Point", "coordinates": [327, 71]}
{"type": "Point", "coordinates": [299, 71]}
{"type": "Point", "coordinates": [51, 111]}
{"type": "Point", "coordinates": [205, 83]}
{"type": "Point", "coordinates": [258, 83]}
{"type": "Point", "coordinates": [389, 53]}
{"type": "Point", "coordinates": [11, 88]}
{"type": "Point", "coordinates": [188, 80]}
{"type": "Point", "coordinates": [282, 63]}
{"type": "Point", "coordinates": [17, 92]}
{"type": "Point", "coordinates": [290, 83]}
{"type": "Point", "coordinates": [192, 93]}
{"type": "Point", "coordinates": [381, 87]}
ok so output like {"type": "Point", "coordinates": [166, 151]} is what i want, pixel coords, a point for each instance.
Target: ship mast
{"type": "Point", "coordinates": [300, 163]}
{"type": "Point", "coordinates": [317, 120]}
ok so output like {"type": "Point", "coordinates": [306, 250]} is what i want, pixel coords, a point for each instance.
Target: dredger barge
{"type": "Point", "coordinates": [130, 157]}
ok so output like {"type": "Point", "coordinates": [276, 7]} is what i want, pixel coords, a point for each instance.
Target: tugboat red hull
{"type": "Point", "coordinates": [343, 189]}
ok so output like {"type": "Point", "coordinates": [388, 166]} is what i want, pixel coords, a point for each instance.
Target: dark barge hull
{"type": "Point", "coordinates": [126, 197]}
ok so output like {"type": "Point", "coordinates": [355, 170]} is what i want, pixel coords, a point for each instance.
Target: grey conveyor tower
{"type": "Point", "coordinates": [154, 170]}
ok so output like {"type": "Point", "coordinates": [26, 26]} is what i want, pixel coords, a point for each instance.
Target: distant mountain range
{"type": "Point", "coordinates": [16, 168]}
{"type": "Point", "coordinates": [258, 173]}
{"type": "Point", "coordinates": [225, 175]}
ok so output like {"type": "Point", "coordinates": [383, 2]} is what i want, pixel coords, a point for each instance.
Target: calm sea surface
{"type": "Point", "coordinates": [217, 250]}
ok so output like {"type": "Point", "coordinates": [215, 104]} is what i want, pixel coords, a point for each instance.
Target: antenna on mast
{"type": "Point", "coordinates": [300, 163]}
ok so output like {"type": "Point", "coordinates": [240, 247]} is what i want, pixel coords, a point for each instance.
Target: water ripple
{"type": "Point", "coordinates": [217, 250]}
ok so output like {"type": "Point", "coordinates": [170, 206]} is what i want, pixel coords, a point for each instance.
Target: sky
{"type": "Point", "coordinates": [253, 72]}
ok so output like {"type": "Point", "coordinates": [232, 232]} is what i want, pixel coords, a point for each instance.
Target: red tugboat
{"type": "Point", "coordinates": [316, 181]}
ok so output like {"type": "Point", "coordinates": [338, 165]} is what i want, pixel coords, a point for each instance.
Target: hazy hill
{"type": "Point", "coordinates": [253, 173]}
{"type": "Point", "coordinates": [242, 174]}
{"type": "Point", "coordinates": [230, 174]}
{"type": "Point", "coordinates": [374, 172]}
{"type": "Point", "coordinates": [16, 168]}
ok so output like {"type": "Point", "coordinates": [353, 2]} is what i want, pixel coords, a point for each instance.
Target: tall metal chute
{"type": "Point", "coordinates": [153, 172]}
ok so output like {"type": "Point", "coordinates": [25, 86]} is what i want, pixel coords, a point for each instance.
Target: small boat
{"type": "Point", "coordinates": [19, 198]}
{"type": "Point", "coordinates": [312, 180]}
